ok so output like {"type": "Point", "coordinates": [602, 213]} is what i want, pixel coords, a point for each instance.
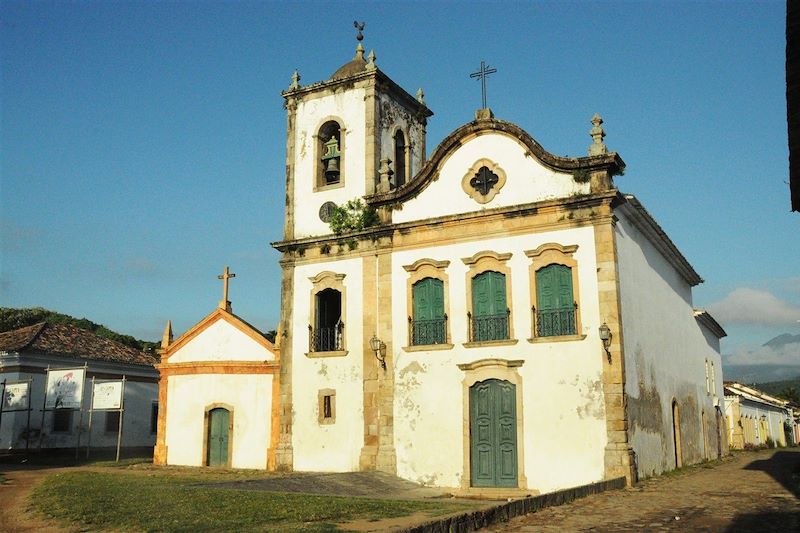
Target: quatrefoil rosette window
{"type": "Point", "coordinates": [483, 180]}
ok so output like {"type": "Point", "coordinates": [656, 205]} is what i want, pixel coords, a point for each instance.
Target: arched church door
{"type": "Point", "coordinates": [493, 434]}
{"type": "Point", "coordinates": [218, 437]}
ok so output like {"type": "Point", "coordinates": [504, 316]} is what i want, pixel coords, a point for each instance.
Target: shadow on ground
{"type": "Point", "coordinates": [783, 467]}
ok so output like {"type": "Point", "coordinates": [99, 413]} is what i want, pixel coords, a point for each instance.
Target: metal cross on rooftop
{"type": "Point", "coordinates": [225, 276]}
{"type": "Point", "coordinates": [481, 74]}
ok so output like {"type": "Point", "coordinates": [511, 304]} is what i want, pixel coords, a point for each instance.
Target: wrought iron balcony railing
{"type": "Point", "coordinates": [488, 327]}
{"type": "Point", "coordinates": [327, 339]}
{"type": "Point", "coordinates": [431, 331]}
{"type": "Point", "coordinates": [555, 322]}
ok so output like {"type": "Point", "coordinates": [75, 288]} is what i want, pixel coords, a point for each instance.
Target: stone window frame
{"type": "Point", "coordinates": [328, 280]}
{"type": "Point", "coordinates": [419, 270]}
{"type": "Point", "coordinates": [319, 170]}
{"type": "Point", "coordinates": [321, 395]}
{"type": "Point", "coordinates": [478, 263]}
{"type": "Point", "coordinates": [553, 253]}
{"type": "Point", "coordinates": [482, 370]}
{"type": "Point", "coordinates": [473, 170]}
{"type": "Point", "coordinates": [406, 153]}
{"type": "Point", "coordinates": [207, 410]}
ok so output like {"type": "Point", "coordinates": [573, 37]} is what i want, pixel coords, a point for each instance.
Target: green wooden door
{"type": "Point", "coordinates": [218, 435]}
{"type": "Point", "coordinates": [555, 302]}
{"type": "Point", "coordinates": [489, 307]}
{"type": "Point", "coordinates": [428, 325]}
{"type": "Point", "coordinates": [493, 434]}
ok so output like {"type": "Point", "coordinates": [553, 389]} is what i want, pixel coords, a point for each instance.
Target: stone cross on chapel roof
{"type": "Point", "coordinates": [225, 276]}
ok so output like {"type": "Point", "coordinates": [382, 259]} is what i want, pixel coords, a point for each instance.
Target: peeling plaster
{"type": "Point", "coordinates": [592, 392]}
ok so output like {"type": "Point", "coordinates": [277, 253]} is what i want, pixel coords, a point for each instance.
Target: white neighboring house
{"type": "Point", "coordinates": [756, 418]}
{"type": "Point", "coordinates": [218, 390]}
{"type": "Point", "coordinates": [512, 323]}
{"type": "Point", "coordinates": [26, 353]}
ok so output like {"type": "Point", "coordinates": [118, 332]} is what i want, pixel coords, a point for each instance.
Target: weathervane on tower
{"type": "Point", "coordinates": [360, 28]}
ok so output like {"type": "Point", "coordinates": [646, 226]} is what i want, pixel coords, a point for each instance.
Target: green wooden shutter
{"type": "Point", "coordinates": [428, 301]}
{"type": "Point", "coordinates": [489, 300]}
{"type": "Point", "coordinates": [555, 301]}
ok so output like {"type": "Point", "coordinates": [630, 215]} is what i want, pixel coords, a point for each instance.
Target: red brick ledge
{"type": "Point", "coordinates": [475, 520]}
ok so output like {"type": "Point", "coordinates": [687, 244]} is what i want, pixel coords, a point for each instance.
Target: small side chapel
{"type": "Point", "coordinates": [511, 322]}
{"type": "Point", "coordinates": [218, 392]}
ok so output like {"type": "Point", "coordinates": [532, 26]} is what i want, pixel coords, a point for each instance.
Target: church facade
{"type": "Point", "coordinates": [505, 320]}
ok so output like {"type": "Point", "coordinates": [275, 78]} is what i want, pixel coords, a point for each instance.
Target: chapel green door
{"type": "Point", "coordinates": [555, 301]}
{"type": "Point", "coordinates": [493, 434]}
{"type": "Point", "coordinates": [218, 435]}
{"type": "Point", "coordinates": [489, 308]}
{"type": "Point", "coordinates": [428, 297]}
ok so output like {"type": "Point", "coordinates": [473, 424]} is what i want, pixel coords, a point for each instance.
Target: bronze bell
{"type": "Point", "coordinates": [332, 169]}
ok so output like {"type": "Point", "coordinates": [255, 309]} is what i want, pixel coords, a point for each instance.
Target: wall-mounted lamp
{"type": "Point", "coordinates": [605, 336]}
{"type": "Point", "coordinates": [379, 348]}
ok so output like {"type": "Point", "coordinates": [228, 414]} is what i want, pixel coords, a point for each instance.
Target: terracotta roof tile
{"type": "Point", "coordinates": [70, 341]}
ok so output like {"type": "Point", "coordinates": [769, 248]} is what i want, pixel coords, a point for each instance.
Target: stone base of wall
{"type": "Point", "coordinates": [473, 521]}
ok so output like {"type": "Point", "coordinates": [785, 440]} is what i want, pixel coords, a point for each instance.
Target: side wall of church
{"type": "Point", "coordinates": [333, 447]}
{"type": "Point", "coordinates": [562, 421]}
{"type": "Point", "coordinates": [666, 350]}
{"type": "Point", "coordinates": [347, 107]}
{"type": "Point", "coordinates": [248, 397]}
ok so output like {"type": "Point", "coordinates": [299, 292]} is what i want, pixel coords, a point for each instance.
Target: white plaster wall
{"type": "Point", "coordinates": [563, 408]}
{"type": "Point", "coordinates": [527, 180]}
{"type": "Point", "coordinates": [139, 398]}
{"type": "Point", "coordinates": [665, 353]}
{"type": "Point", "coordinates": [222, 342]}
{"type": "Point", "coordinates": [349, 108]}
{"type": "Point", "coordinates": [250, 397]}
{"type": "Point", "coordinates": [329, 447]}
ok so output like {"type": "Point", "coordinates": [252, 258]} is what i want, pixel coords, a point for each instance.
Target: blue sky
{"type": "Point", "coordinates": [143, 143]}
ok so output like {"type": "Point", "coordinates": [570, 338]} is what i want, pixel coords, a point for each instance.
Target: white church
{"type": "Point", "coordinates": [508, 321]}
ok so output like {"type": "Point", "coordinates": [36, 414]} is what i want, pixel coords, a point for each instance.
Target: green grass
{"type": "Point", "coordinates": [147, 501]}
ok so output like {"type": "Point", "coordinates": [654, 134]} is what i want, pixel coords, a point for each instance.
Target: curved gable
{"type": "Point", "coordinates": [520, 172]}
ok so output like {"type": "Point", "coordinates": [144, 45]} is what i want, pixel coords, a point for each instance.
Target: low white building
{"type": "Point", "coordinates": [218, 392]}
{"type": "Point", "coordinates": [506, 320]}
{"type": "Point", "coordinates": [755, 418]}
{"type": "Point", "coordinates": [25, 356]}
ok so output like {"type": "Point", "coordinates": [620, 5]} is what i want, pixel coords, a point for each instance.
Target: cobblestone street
{"type": "Point", "coordinates": [750, 492]}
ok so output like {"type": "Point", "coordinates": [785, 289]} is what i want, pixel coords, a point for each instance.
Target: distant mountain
{"type": "Point", "coordinates": [782, 340]}
{"type": "Point", "coordinates": [750, 374]}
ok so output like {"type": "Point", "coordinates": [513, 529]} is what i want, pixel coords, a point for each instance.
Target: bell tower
{"type": "Point", "coordinates": [347, 137]}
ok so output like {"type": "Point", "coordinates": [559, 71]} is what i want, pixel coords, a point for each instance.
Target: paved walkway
{"type": "Point", "coordinates": [751, 492]}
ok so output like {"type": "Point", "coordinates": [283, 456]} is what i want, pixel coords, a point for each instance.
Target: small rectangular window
{"type": "Point", "coordinates": [327, 406]}
{"type": "Point", "coordinates": [327, 411]}
{"type": "Point", "coordinates": [62, 421]}
{"type": "Point", "coordinates": [112, 421]}
{"type": "Point", "coordinates": [154, 418]}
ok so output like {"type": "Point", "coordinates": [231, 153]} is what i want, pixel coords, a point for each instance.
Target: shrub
{"type": "Point", "coordinates": [352, 216]}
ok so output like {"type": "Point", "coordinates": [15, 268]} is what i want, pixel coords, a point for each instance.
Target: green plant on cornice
{"type": "Point", "coordinates": [581, 175]}
{"type": "Point", "coordinates": [354, 215]}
